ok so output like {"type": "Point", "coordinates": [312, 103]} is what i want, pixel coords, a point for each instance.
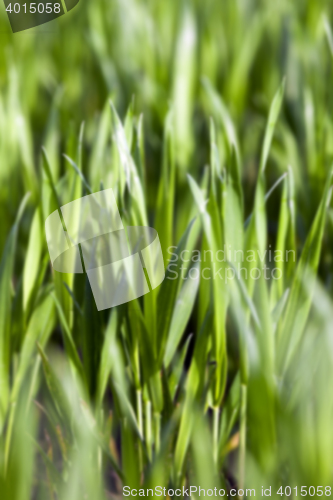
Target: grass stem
{"type": "Point", "coordinates": [148, 429]}
{"type": "Point", "coordinates": [242, 436]}
{"type": "Point", "coordinates": [216, 418]}
{"type": "Point", "coordinates": [157, 429]}
{"type": "Point", "coordinates": [140, 423]}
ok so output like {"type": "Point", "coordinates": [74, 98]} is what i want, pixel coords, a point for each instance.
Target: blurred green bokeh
{"type": "Point", "coordinates": [200, 382]}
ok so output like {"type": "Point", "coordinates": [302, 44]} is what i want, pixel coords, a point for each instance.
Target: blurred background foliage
{"type": "Point", "coordinates": [60, 74]}
{"type": "Point", "coordinates": [198, 383]}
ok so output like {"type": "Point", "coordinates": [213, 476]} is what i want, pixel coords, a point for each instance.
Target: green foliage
{"type": "Point", "coordinates": [219, 376]}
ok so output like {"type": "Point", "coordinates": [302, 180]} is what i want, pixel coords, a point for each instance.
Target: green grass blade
{"type": "Point", "coordinates": [300, 298]}
{"type": "Point", "coordinates": [181, 314]}
{"type": "Point", "coordinates": [6, 272]}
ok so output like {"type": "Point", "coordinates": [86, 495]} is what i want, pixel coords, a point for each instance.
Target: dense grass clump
{"type": "Point", "coordinates": [212, 122]}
